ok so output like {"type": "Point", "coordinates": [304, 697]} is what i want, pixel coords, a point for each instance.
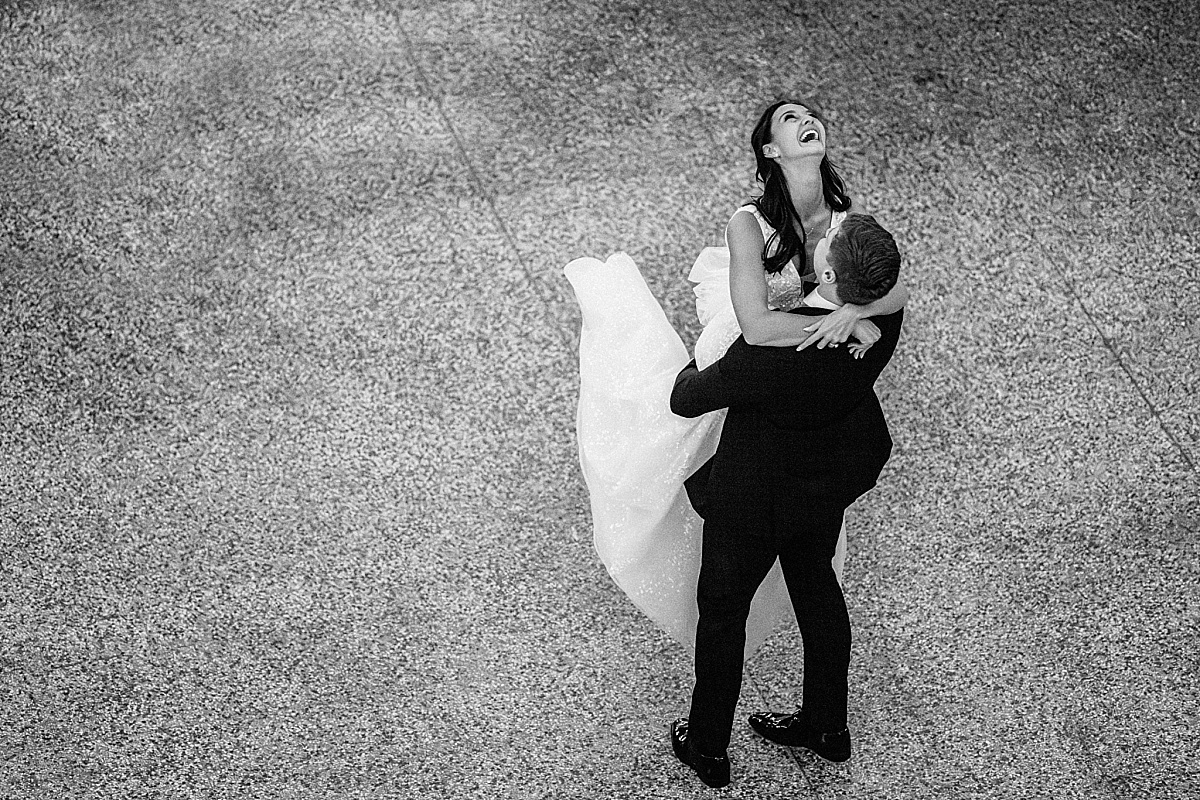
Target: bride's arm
{"type": "Point", "coordinates": [748, 289]}
{"type": "Point", "coordinates": [839, 325]}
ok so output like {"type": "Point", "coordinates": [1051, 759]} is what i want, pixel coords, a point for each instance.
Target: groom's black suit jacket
{"type": "Point", "coordinates": [801, 423]}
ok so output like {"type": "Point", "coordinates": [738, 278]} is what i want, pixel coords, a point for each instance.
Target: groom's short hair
{"type": "Point", "coordinates": [865, 258]}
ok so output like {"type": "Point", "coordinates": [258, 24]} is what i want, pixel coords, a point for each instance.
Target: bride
{"type": "Point", "coordinates": [635, 454]}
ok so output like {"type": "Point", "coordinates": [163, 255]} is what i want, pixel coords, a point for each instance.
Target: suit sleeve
{"type": "Point", "coordinates": [826, 384]}
{"type": "Point", "coordinates": [719, 385]}
{"type": "Point", "coordinates": [697, 392]}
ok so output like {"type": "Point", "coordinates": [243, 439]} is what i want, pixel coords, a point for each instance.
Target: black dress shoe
{"type": "Point", "coordinates": [713, 770]}
{"type": "Point", "coordinates": [790, 730]}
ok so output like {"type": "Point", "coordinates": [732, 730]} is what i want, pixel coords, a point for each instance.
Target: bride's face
{"type": "Point", "coordinates": [796, 131]}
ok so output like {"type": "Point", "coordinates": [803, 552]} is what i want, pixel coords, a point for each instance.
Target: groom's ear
{"type": "Point", "coordinates": [828, 275]}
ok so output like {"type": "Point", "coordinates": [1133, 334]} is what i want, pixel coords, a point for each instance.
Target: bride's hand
{"type": "Point", "coordinates": [835, 328]}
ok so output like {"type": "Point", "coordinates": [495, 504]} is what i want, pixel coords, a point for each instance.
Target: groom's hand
{"type": "Point", "coordinates": [867, 332]}
{"type": "Point", "coordinates": [858, 349]}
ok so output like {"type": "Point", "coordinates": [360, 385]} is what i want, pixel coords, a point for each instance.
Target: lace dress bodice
{"type": "Point", "coordinates": [785, 289]}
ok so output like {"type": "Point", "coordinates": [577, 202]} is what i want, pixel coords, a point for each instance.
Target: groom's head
{"type": "Point", "coordinates": [858, 260]}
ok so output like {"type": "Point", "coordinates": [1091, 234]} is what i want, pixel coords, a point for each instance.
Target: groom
{"type": "Point", "coordinates": [805, 436]}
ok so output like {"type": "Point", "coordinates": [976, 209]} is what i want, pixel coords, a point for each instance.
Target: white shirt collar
{"type": "Point", "coordinates": [815, 300]}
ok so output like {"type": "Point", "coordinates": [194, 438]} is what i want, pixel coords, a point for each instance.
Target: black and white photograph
{"type": "Point", "coordinates": [599, 400]}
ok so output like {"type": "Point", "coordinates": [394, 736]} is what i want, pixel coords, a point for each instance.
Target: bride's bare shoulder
{"type": "Point", "coordinates": [743, 230]}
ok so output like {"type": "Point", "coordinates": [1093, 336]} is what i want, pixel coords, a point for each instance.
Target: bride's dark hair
{"type": "Point", "coordinates": [775, 203]}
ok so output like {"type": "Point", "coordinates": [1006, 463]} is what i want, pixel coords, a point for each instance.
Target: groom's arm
{"type": "Point", "coordinates": [697, 392]}
{"type": "Point", "coordinates": [827, 382]}
{"type": "Point", "coordinates": [735, 379]}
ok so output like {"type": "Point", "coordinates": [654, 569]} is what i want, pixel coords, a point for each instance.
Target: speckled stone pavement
{"type": "Point", "coordinates": [368, 572]}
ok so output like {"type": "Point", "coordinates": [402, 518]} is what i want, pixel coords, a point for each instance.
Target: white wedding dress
{"type": "Point", "coordinates": [635, 453]}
